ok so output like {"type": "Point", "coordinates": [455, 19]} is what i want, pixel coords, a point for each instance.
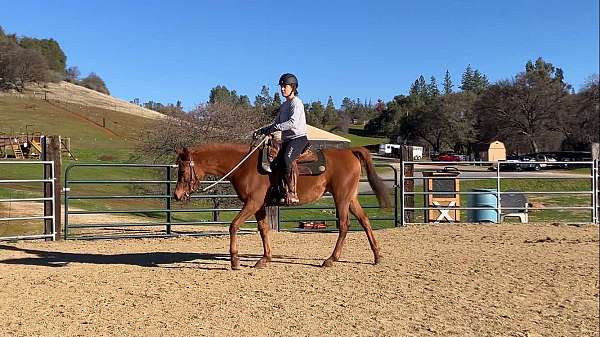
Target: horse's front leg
{"type": "Point", "coordinates": [248, 209]}
{"type": "Point", "coordinates": [263, 227]}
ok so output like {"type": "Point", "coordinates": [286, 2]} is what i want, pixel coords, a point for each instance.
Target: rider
{"type": "Point", "coordinates": [291, 121]}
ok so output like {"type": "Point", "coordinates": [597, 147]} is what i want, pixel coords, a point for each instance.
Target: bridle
{"type": "Point", "coordinates": [193, 183]}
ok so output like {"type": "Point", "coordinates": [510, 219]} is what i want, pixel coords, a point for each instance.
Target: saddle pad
{"type": "Point", "coordinates": [313, 167]}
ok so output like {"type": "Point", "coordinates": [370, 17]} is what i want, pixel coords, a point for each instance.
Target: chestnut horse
{"type": "Point", "coordinates": [341, 178]}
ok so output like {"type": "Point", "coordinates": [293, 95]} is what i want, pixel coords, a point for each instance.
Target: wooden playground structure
{"type": "Point", "coordinates": [28, 146]}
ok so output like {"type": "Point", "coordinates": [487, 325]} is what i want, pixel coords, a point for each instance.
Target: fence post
{"type": "Point", "coordinates": [396, 198]}
{"type": "Point", "coordinates": [168, 200]}
{"type": "Point", "coordinates": [51, 152]}
{"type": "Point", "coordinates": [498, 195]}
{"type": "Point", "coordinates": [409, 185]}
{"type": "Point", "coordinates": [215, 213]}
{"type": "Point", "coordinates": [596, 174]}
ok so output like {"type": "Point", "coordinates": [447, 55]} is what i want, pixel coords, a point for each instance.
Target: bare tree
{"type": "Point", "coordinates": [29, 66]}
{"type": "Point", "coordinates": [72, 74]}
{"type": "Point", "coordinates": [19, 66]}
{"type": "Point", "coordinates": [217, 122]}
{"type": "Point", "coordinates": [580, 122]}
{"type": "Point", "coordinates": [527, 106]}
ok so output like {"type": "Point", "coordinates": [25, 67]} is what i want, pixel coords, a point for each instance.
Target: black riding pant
{"type": "Point", "coordinates": [290, 150]}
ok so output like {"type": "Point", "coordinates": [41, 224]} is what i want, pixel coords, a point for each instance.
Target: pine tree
{"type": "Point", "coordinates": [330, 115]}
{"type": "Point", "coordinates": [263, 102]}
{"type": "Point", "coordinates": [315, 112]}
{"type": "Point", "coordinates": [467, 79]}
{"type": "Point", "coordinates": [277, 99]}
{"type": "Point", "coordinates": [480, 82]}
{"type": "Point", "coordinates": [244, 101]}
{"type": "Point", "coordinates": [274, 109]}
{"type": "Point", "coordinates": [419, 87]}
{"type": "Point", "coordinates": [432, 88]}
{"type": "Point", "coordinates": [447, 83]}
{"type": "Point", "coordinates": [221, 94]}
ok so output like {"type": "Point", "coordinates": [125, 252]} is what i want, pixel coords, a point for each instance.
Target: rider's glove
{"type": "Point", "coordinates": [265, 130]}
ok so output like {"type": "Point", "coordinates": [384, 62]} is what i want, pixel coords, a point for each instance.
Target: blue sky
{"type": "Point", "coordinates": [178, 50]}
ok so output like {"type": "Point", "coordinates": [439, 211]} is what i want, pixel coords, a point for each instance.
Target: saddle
{"type": "Point", "coordinates": [310, 163]}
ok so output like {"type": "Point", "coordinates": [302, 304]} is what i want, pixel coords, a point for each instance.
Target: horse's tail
{"type": "Point", "coordinates": [376, 183]}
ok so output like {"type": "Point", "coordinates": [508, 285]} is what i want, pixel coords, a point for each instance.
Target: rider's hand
{"type": "Point", "coordinates": [265, 130]}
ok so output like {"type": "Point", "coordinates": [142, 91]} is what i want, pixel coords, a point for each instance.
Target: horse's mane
{"type": "Point", "coordinates": [220, 147]}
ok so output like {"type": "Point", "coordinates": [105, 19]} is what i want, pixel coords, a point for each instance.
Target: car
{"type": "Point", "coordinates": [520, 163]}
{"type": "Point", "coordinates": [448, 156]}
{"type": "Point", "coordinates": [512, 163]}
{"type": "Point", "coordinates": [546, 160]}
{"type": "Point", "coordinates": [570, 156]}
{"type": "Point", "coordinates": [526, 165]}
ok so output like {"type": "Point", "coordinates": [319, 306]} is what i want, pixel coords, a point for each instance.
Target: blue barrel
{"type": "Point", "coordinates": [488, 200]}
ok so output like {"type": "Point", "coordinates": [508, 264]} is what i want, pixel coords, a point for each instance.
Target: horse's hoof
{"type": "Point", "coordinates": [377, 259]}
{"type": "Point", "coordinates": [235, 263]}
{"type": "Point", "coordinates": [261, 263]}
{"type": "Point", "coordinates": [328, 263]}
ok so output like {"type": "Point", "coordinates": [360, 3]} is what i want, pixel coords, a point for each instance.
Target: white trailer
{"type": "Point", "coordinates": [388, 149]}
{"type": "Point", "coordinates": [393, 150]}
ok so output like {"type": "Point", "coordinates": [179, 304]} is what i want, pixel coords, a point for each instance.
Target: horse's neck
{"type": "Point", "coordinates": [218, 162]}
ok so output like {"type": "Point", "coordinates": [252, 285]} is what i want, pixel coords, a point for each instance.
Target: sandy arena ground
{"type": "Point", "coordinates": [435, 280]}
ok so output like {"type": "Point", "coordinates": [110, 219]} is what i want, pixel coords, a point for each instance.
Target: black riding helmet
{"type": "Point", "coordinates": [288, 79]}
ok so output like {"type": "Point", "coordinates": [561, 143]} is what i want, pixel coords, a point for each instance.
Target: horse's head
{"type": "Point", "coordinates": [189, 175]}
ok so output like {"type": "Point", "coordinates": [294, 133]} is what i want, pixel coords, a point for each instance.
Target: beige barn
{"type": "Point", "coordinates": [493, 151]}
{"type": "Point", "coordinates": [321, 139]}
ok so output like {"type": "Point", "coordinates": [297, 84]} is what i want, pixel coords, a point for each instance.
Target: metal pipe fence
{"type": "Point", "coordinates": [162, 194]}
{"type": "Point", "coordinates": [170, 213]}
{"type": "Point", "coordinates": [502, 185]}
{"type": "Point", "coordinates": [100, 194]}
{"type": "Point", "coordinates": [5, 221]}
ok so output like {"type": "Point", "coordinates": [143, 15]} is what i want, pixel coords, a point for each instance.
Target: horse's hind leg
{"type": "Point", "coordinates": [360, 214]}
{"type": "Point", "coordinates": [342, 209]}
{"type": "Point", "coordinates": [263, 227]}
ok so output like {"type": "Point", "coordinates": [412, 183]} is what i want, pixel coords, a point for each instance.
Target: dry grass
{"type": "Point", "coordinates": [68, 92]}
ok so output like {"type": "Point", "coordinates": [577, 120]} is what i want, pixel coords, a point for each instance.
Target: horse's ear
{"type": "Point", "coordinates": [181, 150]}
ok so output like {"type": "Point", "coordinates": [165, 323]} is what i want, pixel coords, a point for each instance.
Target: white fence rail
{"type": "Point", "coordinates": [14, 221]}
{"type": "Point", "coordinates": [441, 191]}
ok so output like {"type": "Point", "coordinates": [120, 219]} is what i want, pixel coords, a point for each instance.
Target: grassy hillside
{"type": "Point", "coordinates": [90, 141]}
{"type": "Point", "coordinates": [358, 137]}
{"type": "Point", "coordinates": [84, 126]}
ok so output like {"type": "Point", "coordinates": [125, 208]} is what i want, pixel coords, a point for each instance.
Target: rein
{"type": "Point", "coordinates": [236, 167]}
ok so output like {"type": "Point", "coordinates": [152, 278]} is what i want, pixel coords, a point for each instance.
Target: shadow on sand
{"type": "Point", "coordinates": [154, 259]}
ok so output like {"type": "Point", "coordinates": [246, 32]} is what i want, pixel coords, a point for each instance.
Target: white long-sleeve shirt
{"type": "Point", "coordinates": [291, 119]}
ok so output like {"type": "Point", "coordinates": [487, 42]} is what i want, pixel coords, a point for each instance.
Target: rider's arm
{"type": "Point", "coordinates": [297, 110]}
